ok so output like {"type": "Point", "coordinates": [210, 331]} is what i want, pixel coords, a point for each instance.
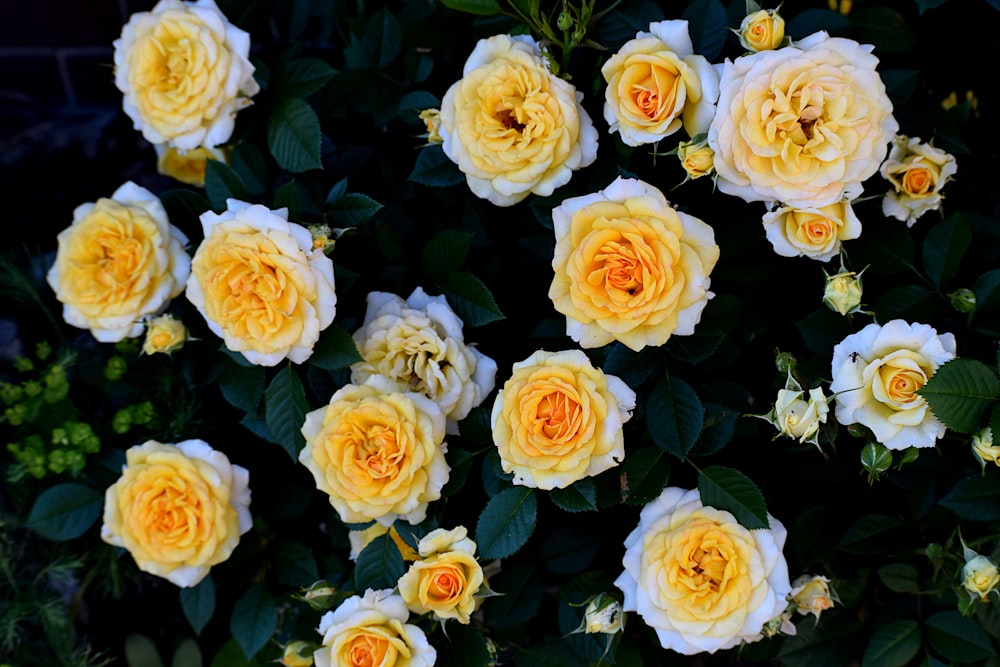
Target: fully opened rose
{"type": "Point", "coordinates": [629, 267]}
{"type": "Point", "coordinates": [917, 171]}
{"type": "Point", "coordinates": [702, 581]}
{"type": "Point", "coordinates": [260, 284]}
{"type": "Point", "coordinates": [559, 419]}
{"type": "Point", "coordinates": [513, 127]}
{"type": "Point", "coordinates": [178, 509]}
{"type": "Point", "coordinates": [877, 373]}
{"type": "Point", "coordinates": [445, 579]}
{"type": "Point", "coordinates": [119, 262]}
{"type": "Point", "coordinates": [185, 72]}
{"type": "Point", "coordinates": [378, 453]}
{"type": "Point", "coordinates": [803, 125]}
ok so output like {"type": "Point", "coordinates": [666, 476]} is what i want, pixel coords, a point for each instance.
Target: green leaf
{"type": "Point", "coordinates": [187, 654]}
{"type": "Point", "coordinates": [961, 392]}
{"type": "Point", "coordinates": [335, 349]}
{"type": "Point", "coordinates": [222, 183]}
{"type": "Point", "coordinates": [445, 253]}
{"type": "Point", "coordinates": [945, 246]}
{"type": "Point", "coordinates": [285, 410]}
{"type": "Point", "coordinates": [294, 563]}
{"type": "Point", "coordinates": [303, 77]}
{"type": "Point", "coordinates": [140, 651]}
{"type": "Point", "coordinates": [976, 498]}
{"type": "Point", "coordinates": [831, 643]}
{"type": "Point", "coordinates": [463, 645]}
{"type": "Point", "coordinates": [644, 475]}
{"type": "Point", "coordinates": [924, 5]}
{"type": "Point", "coordinates": [480, 7]}
{"type": "Point", "coordinates": [254, 620]}
{"type": "Point", "coordinates": [294, 137]}
{"type": "Point", "coordinates": [248, 162]}
{"type": "Point", "coordinates": [883, 27]}
{"type": "Point", "coordinates": [434, 169]}
{"type": "Point", "coordinates": [674, 416]}
{"type": "Point", "coordinates": [958, 638]}
{"type": "Point", "coordinates": [707, 27]}
{"type": "Point", "coordinates": [231, 655]}
{"type": "Point", "coordinates": [198, 603]}
{"type": "Point", "coordinates": [900, 577]}
{"type": "Point", "coordinates": [184, 206]}
{"type": "Point", "coordinates": [730, 490]}
{"type": "Point", "coordinates": [720, 424]}
{"type": "Point", "coordinates": [243, 386]}
{"type": "Point", "coordinates": [352, 210]}
{"type": "Point", "coordinates": [872, 534]}
{"type": "Point", "coordinates": [893, 645]}
{"type": "Point", "coordinates": [287, 196]}
{"type": "Point", "coordinates": [470, 299]}
{"type": "Point", "coordinates": [506, 522]}
{"type": "Point", "coordinates": [379, 565]}
{"type": "Point", "coordinates": [568, 550]}
{"type": "Point", "coordinates": [813, 20]}
{"type": "Point", "coordinates": [578, 497]}
{"type": "Point", "coordinates": [381, 39]}
{"type": "Point", "coordinates": [987, 291]}
{"type": "Point", "coordinates": [65, 511]}
{"type": "Point", "coordinates": [900, 84]}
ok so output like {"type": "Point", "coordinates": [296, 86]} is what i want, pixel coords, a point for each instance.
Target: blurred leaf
{"type": "Point", "coordinates": [187, 654]}
{"type": "Point", "coordinates": [568, 550]}
{"type": "Point", "coordinates": [463, 645]}
{"type": "Point", "coordinates": [434, 169]}
{"type": "Point", "coordinates": [335, 349]}
{"type": "Point", "coordinates": [481, 7]}
{"type": "Point", "coordinates": [222, 183]}
{"type": "Point", "coordinates": [961, 392]}
{"type": "Point", "coordinates": [828, 644]}
{"type": "Point", "coordinates": [198, 603]}
{"type": "Point", "coordinates": [883, 27]}
{"type": "Point", "coordinates": [445, 253]}
{"type": "Point", "coordinates": [294, 563]}
{"type": "Point", "coordinates": [707, 27]}
{"type": "Point", "coordinates": [254, 620]}
{"type": "Point", "coordinates": [243, 386]}
{"type": "Point", "coordinates": [470, 299]}
{"type": "Point", "coordinates": [287, 197]}
{"type": "Point", "coordinates": [893, 645]}
{"type": "Point", "coordinates": [900, 577]}
{"type": "Point", "coordinates": [944, 248]}
{"type": "Point", "coordinates": [924, 5]}
{"type": "Point", "coordinates": [720, 424]}
{"type": "Point", "coordinates": [520, 588]}
{"type": "Point", "coordinates": [958, 638]}
{"type": "Point", "coordinates": [909, 302]}
{"type": "Point", "coordinates": [900, 84]}
{"type": "Point", "coordinates": [379, 565]}
{"type": "Point", "coordinates": [578, 497]}
{"type": "Point", "coordinates": [976, 498]}
{"type": "Point", "coordinates": [302, 77]}
{"type": "Point", "coordinates": [413, 103]}
{"type": "Point", "coordinates": [730, 490]}
{"type": "Point", "coordinates": [644, 475]}
{"type": "Point", "coordinates": [65, 511]}
{"type": "Point", "coordinates": [674, 416]}
{"type": "Point", "coordinates": [294, 137]}
{"type": "Point", "coordinates": [249, 164]}
{"type": "Point", "coordinates": [506, 523]}
{"type": "Point", "coordinates": [285, 410]}
{"type": "Point", "coordinates": [809, 21]}
{"type": "Point", "coordinates": [140, 651]}
{"type": "Point", "coordinates": [625, 20]}
{"type": "Point", "coordinates": [379, 44]}
{"type": "Point", "coordinates": [231, 655]}
{"type": "Point", "coordinates": [872, 534]}
{"type": "Point", "coordinates": [184, 205]}
{"type": "Point", "coordinates": [987, 291]}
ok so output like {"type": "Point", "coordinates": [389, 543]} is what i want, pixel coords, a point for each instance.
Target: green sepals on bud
{"type": "Point", "coordinates": [784, 362]}
{"type": "Point", "coordinates": [16, 414]}
{"type": "Point", "coordinates": [142, 413]}
{"type": "Point", "coordinates": [56, 385]}
{"type": "Point", "coordinates": [963, 300]}
{"type": "Point", "coordinates": [875, 459]}
{"type": "Point", "coordinates": [321, 595]}
{"type": "Point", "coordinates": [115, 368]}
{"type": "Point", "coordinates": [565, 20]}
{"type": "Point", "coordinates": [121, 423]}
{"type": "Point", "coordinates": [58, 461]}
{"type": "Point", "coordinates": [910, 454]}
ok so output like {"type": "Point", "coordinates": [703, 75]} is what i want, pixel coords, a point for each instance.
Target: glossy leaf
{"type": "Point", "coordinates": [65, 511]}
{"type": "Point", "coordinates": [506, 523]}
{"type": "Point", "coordinates": [285, 410]}
{"type": "Point", "coordinates": [730, 490]}
{"type": "Point", "coordinates": [674, 416]}
{"type": "Point", "coordinates": [961, 392]}
{"type": "Point", "coordinates": [254, 620]}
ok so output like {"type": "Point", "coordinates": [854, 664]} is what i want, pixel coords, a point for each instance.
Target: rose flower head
{"type": "Point", "coordinates": [371, 629]}
{"type": "Point", "coordinates": [559, 419]}
{"type": "Point", "coordinates": [513, 127]}
{"type": "Point", "coordinates": [378, 453]}
{"type": "Point", "coordinates": [984, 449]}
{"type": "Point", "coordinates": [876, 375]}
{"type": "Point", "coordinates": [762, 30]}
{"type": "Point", "coordinates": [980, 575]}
{"type": "Point", "coordinates": [629, 267]}
{"type": "Point", "coordinates": [811, 232]}
{"type": "Point", "coordinates": [702, 581]}
{"type": "Point", "coordinates": [445, 579]}
{"type": "Point", "coordinates": [696, 157]}
{"type": "Point", "coordinates": [917, 172]}
{"type": "Point", "coordinates": [119, 262]}
{"type": "Point", "coordinates": [657, 84]}
{"type": "Point", "coordinates": [842, 291]}
{"type": "Point", "coordinates": [804, 125]}
{"type": "Point", "coordinates": [798, 414]}
{"type": "Point", "coordinates": [178, 509]}
{"type": "Point", "coordinates": [812, 595]}
{"type": "Point", "coordinates": [260, 284]}
{"type": "Point", "coordinates": [185, 71]}
{"type": "Point", "coordinates": [164, 334]}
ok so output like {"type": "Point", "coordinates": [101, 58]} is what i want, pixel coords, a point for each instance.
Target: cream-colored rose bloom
{"type": "Point", "coordinates": [985, 450]}
{"type": "Point", "coordinates": [378, 453]}
{"type": "Point", "coordinates": [657, 84]}
{"type": "Point", "coordinates": [178, 509]}
{"type": "Point", "coordinates": [187, 166]}
{"type": "Point", "coordinates": [445, 579]}
{"type": "Point", "coordinates": [811, 232]}
{"type": "Point", "coordinates": [418, 344]}
{"type": "Point", "coordinates": [513, 127]}
{"type": "Point", "coordinates": [812, 595]}
{"type": "Point", "coordinates": [876, 375]}
{"type": "Point", "coordinates": [185, 71]}
{"type": "Point", "coordinates": [370, 630]}
{"type": "Point", "coordinates": [164, 334]}
{"type": "Point", "coordinates": [702, 581]}
{"type": "Point", "coordinates": [260, 284]}
{"type": "Point", "coordinates": [917, 172]}
{"type": "Point", "coordinates": [980, 575]}
{"type": "Point", "coordinates": [762, 30]}
{"type": "Point", "coordinates": [799, 415]}
{"type": "Point", "coordinates": [559, 419]}
{"type": "Point", "coordinates": [629, 267]}
{"type": "Point", "coordinates": [804, 125]}
{"type": "Point", "coordinates": [120, 261]}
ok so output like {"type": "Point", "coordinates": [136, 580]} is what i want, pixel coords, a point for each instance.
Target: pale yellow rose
{"type": "Point", "coordinates": [811, 232]}
{"type": "Point", "coordinates": [260, 284]}
{"type": "Point", "coordinates": [762, 30]}
{"type": "Point", "coordinates": [559, 419]}
{"type": "Point", "coordinates": [187, 166]}
{"type": "Point", "coordinates": [917, 172]}
{"type": "Point", "coordinates": [842, 292]}
{"type": "Point", "coordinates": [702, 581]}
{"type": "Point", "coordinates": [984, 448]}
{"type": "Point", "coordinates": [164, 334]}
{"type": "Point", "coordinates": [804, 125]}
{"type": "Point", "coordinates": [185, 72]}
{"type": "Point", "coordinates": [178, 509]}
{"type": "Point", "coordinates": [812, 595]}
{"type": "Point", "coordinates": [370, 630]}
{"type": "Point", "coordinates": [657, 84]}
{"type": "Point", "coordinates": [696, 158]}
{"type": "Point", "coordinates": [119, 262]}
{"type": "Point", "coordinates": [980, 576]}
{"type": "Point", "coordinates": [629, 267]}
{"type": "Point", "coordinates": [798, 414]}
{"type": "Point", "coordinates": [876, 375]}
{"type": "Point", "coordinates": [513, 127]}
{"type": "Point", "coordinates": [418, 344]}
{"type": "Point", "coordinates": [378, 453]}
{"type": "Point", "coordinates": [445, 579]}
{"type": "Point", "coordinates": [432, 121]}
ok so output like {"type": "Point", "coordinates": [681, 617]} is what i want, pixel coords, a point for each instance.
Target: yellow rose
{"type": "Point", "coordinates": [187, 166]}
{"type": "Point", "coordinates": [876, 375]}
{"type": "Point", "coordinates": [843, 291]}
{"type": "Point", "coordinates": [511, 126]}
{"type": "Point", "coordinates": [164, 334]}
{"type": "Point", "coordinates": [360, 539]}
{"type": "Point", "coordinates": [980, 576]}
{"type": "Point", "coordinates": [696, 158]}
{"type": "Point", "coordinates": [700, 579]}
{"type": "Point", "coordinates": [812, 595]}
{"type": "Point", "coordinates": [120, 261]}
{"type": "Point", "coordinates": [984, 448]}
{"type": "Point", "coordinates": [446, 578]}
{"type": "Point", "coordinates": [378, 453]}
{"type": "Point", "coordinates": [260, 284]}
{"type": "Point", "coordinates": [917, 172]}
{"type": "Point", "coordinates": [558, 419]}
{"type": "Point", "coordinates": [629, 267]}
{"type": "Point", "coordinates": [370, 630]}
{"type": "Point", "coordinates": [178, 509]}
{"type": "Point", "coordinates": [811, 232]}
{"type": "Point", "coordinates": [185, 72]}
{"type": "Point", "coordinates": [762, 30]}
{"type": "Point", "coordinates": [297, 654]}
{"type": "Point", "coordinates": [432, 121]}
{"type": "Point", "coordinates": [803, 125]}
{"type": "Point", "coordinates": [798, 416]}
{"type": "Point", "coordinates": [656, 85]}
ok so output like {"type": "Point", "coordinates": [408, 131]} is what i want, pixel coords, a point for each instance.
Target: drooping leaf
{"type": "Point", "coordinates": [893, 645]}
{"type": "Point", "coordinates": [506, 522]}
{"type": "Point", "coordinates": [352, 209]}
{"type": "Point", "coordinates": [294, 136]}
{"type": "Point", "coordinates": [471, 299]}
{"type": "Point", "coordinates": [380, 565]}
{"type": "Point", "coordinates": [198, 603]}
{"type": "Point", "coordinates": [976, 498]}
{"type": "Point", "coordinates": [285, 410]}
{"type": "Point", "coordinates": [730, 490]}
{"type": "Point", "coordinates": [65, 511]}
{"type": "Point", "coordinates": [674, 416]}
{"type": "Point", "coordinates": [960, 394]}
{"type": "Point", "coordinates": [254, 620]}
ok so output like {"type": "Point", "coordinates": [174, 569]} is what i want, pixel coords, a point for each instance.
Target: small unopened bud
{"type": "Point", "coordinates": [321, 595]}
{"type": "Point", "coordinates": [115, 368]}
{"type": "Point", "coordinates": [842, 293]}
{"type": "Point", "coordinates": [980, 576]}
{"type": "Point", "coordinates": [963, 300]}
{"type": "Point", "coordinates": [603, 615]}
{"type": "Point", "coordinates": [875, 459]}
{"type": "Point", "coordinates": [812, 595]}
{"type": "Point", "coordinates": [432, 121]}
{"type": "Point", "coordinates": [298, 654]}
{"type": "Point", "coordinates": [323, 237]}
{"type": "Point", "coordinates": [565, 21]}
{"type": "Point", "coordinates": [762, 30]}
{"type": "Point", "coordinates": [697, 158]}
{"type": "Point", "coordinates": [164, 334]}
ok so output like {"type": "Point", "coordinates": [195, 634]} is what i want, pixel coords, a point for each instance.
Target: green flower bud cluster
{"type": "Point", "coordinates": [132, 415]}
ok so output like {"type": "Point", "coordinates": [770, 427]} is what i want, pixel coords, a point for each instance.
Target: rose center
{"type": "Point", "coordinates": [446, 585]}
{"type": "Point", "coordinates": [918, 181]}
{"type": "Point", "coordinates": [901, 385]}
{"type": "Point", "coordinates": [381, 452]}
{"type": "Point", "coordinates": [558, 416]}
{"type": "Point", "coordinates": [621, 267]}
{"type": "Point", "coordinates": [510, 119]}
{"type": "Point", "coordinates": [369, 651]}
